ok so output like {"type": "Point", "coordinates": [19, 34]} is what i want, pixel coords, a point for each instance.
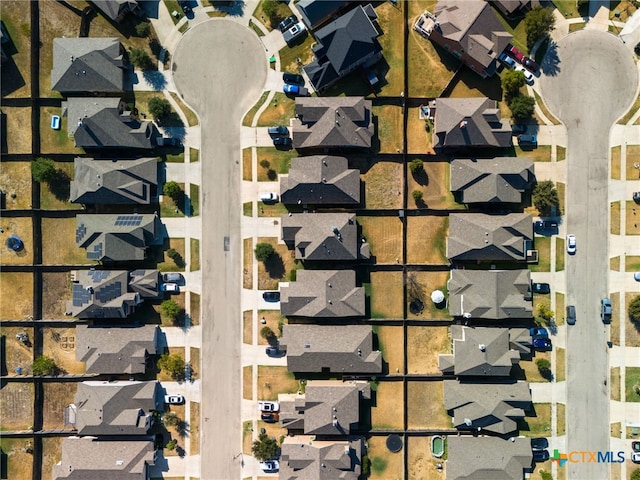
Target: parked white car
{"type": "Point", "coordinates": [571, 244]}
{"type": "Point", "coordinates": [170, 288]}
{"type": "Point", "coordinates": [528, 76]}
{"type": "Point", "coordinates": [270, 466]}
{"type": "Point", "coordinates": [268, 406]}
{"type": "Point", "coordinates": [268, 197]}
{"type": "Point", "coordinates": [174, 399]}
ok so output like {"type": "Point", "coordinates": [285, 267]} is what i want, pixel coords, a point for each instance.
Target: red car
{"type": "Point", "coordinates": [515, 53]}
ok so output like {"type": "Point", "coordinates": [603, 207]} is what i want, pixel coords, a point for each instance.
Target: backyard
{"type": "Point", "coordinates": [386, 414]}
{"type": "Point", "coordinates": [384, 235]}
{"type": "Point", "coordinates": [426, 406]}
{"type": "Point", "coordinates": [385, 291]}
{"type": "Point", "coordinates": [424, 345]}
{"type": "Point", "coordinates": [383, 185]}
{"type": "Point", "coordinates": [391, 344]}
{"type": "Point", "coordinates": [426, 239]}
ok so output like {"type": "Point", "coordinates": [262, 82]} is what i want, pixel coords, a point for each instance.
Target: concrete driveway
{"type": "Point", "coordinates": [220, 68]}
{"type": "Point", "coordinates": [590, 80]}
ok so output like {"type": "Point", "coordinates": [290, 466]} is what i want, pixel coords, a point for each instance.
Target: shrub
{"type": "Point", "coordinates": [417, 195]}
{"type": "Point", "coordinates": [172, 364]}
{"type": "Point", "coordinates": [264, 447]}
{"type": "Point", "coordinates": [366, 465]}
{"type": "Point", "coordinates": [170, 309]}
{"type": "Point", "coordinates": [171, 445]}
{"type": "Point", "coordinates": [545, 197]}
{"type": "Point", "coordinates": [545, 314]}
{"type": "Point", "coordinates": [143, 29]}
{"type": "Point", "coordinates": [416, 166]}
{"type": "Point", "coordinates": [544, 367]}
{"type": "Point", "coordinates": [263, 251]}
{"type": "Point", "coordinates": [43, 170]}
{"type": "Point", "coordinates": [522, 107]}
{"type": "Point", "coordinates": [546, 475]}
{"type": "Point", "coordinates": [140, 58]}
{"type": "Point", "coordinates": [269, 335]}
{"type": "Point", "coordinates": [172, 189]}
{"type": "Point", "coordinates": [635, 475]}
{"type": "Point", "coordinates": [634, 311]}
{"type": "Point", "coordinates": [43, 365]}
{"type": "Point", "coordinates": [159, 107]}
{"type": "Point", "coordinates": [171, 419]}
{"type": "Point", "coordinates": [264, 163]}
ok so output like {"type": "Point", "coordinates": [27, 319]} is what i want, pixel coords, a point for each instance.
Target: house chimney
{"type": "Point", "coordinates": [463, 124]}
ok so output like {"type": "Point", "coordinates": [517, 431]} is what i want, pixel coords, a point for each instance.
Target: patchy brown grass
{"type": "Point", "coordinates": [384, 235]}
{"type": "Point", "coordinates": [386, 294]}
{"type": "Point", "coordinates": [275, 380]}
{"type": "Point", "coordinates": [56, 398]}
{"type": "Point", "coordinates": [561, 364]}
{"type": "Point", "coordinates": [531, 369]}
{"type": "Point", "coordinates": [19, 462]}
{"type": "Point", "coordinates": [391, 344]}
{"type": "Point", "coordinates": [194, 428]}
{"type": "Point", "coordinates": [272, 319]}
{"type": "Point", "coordinates": [22, 228]}
{"type": "Point", "coordinates": [615, 162]}
{"type": "Point", "coordinates": [631, 333]}
{"type": "Point", "coordinates": [166, 377]}
{"type": "Point", "coordinates": [61, 253]}
{"type": "Point", "coordinates": [280, 111]}
{"type": "Point", "coordinates": [614, 263]}
{"type": "Point", "coordinates": [48, 199]}
{"type": "Point", "coordinates": [247, 437]}
{"type": "Point", "coordinates": [540, 425]}
{"type": "Point", "coordinates": [16, 301]}
{"type": "Point", "coordinates": [389, 121]}
{"type": "Point", "coordinates": [385, 464]}
{"type": "Point", "coordinates": [247, 262]}
{"type": "Point", "coordinates": [18, 129]}
{"type": "Point", "coordinates": [17, 72]}
{"type": "Point", "coordinates": [247, 327]}
{"type": "Point", "coordinates": [51, 453]}
{"type": "Point", "coordinates": [614, 327]}
{"type": "Point", "coordinates": [632, 218]}
{"type": "Point", "coordinates": [426, 239]}
{"type": "Point", "coordinates": [423, 346]}
{"type": "Point", "coordinates": [391, 20]}
{"type": "Point", "coordinates": [616, 429]}
{"type": "Point", "coordinates": [560, 310]}
{"type": "Point", "coordinates": [15, 179]}
{"type": "Point", "coordinates": [292, 59]}
{"type": "Point", "coordinates": [246, 164]}
{"type": "Point", "coordinates": [383, 185]}
{"type": "Point", "coordinates": [421, 463]}
{"type": "Point", "coordinates": [434, 184]}
{"type": "Point", "coordinates": [633, 157]}
{"type": "Point", "coordinates": [247, 382]}
{"type": "Point", "coordinates": [614, 383]}
{"type": "Point", "coordinates": [165, 263]}
{"type": "Point", "coordinates": [615, 218]}
{"type": "Point", "coordinates": [279, 161]}
{"type": "Point", "coordinates": [426, 405]}
{"type": "Point", "coordinates": [268, 280]}
{"type": "Point", "coordinates": [430, 281]}
{"type": "Point", "coordinates": [16, 353]}
{"type": "Point", "coordinates": [419, 139]}
{"type": "Point", "coordinates": [194, 264]}
{"type": "Point", "coordinates": [55, 141]}
{"type": "Point", "coordinates": [16, 408]}
{"type": "Point", "coordinates": [56, 290]}
{"type": "Point", "coordinates": [60, 345]}
{"type": "Point", "coordinates": [194, 360]}
{"type": "Point", "coordinates": [387, 412]}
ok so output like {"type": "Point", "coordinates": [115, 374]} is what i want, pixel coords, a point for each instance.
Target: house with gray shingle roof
{"type": "Point", "coordinates": [487, 458]}
{"type": "Point", "coordinates": [87, 65]}
{"type": "Point", "coordinates": [330, 348]}
{"type": "Point", "coordinates": [320, 180]}
{"type": "Point", "coordinates": [495, 180]}
{"type": "Point", "coordinates": [482, 352]}
{"type": "Point", "coordinates": [514, 8]}
{"type": "Point", "coordinates": [117, 10]}
{"type": "Point", "coordinates": [305, 458]}
{"type": "Point", "coordinates": [105, 459]}
{"type": "Point", "coordinates": [111, 181]}
{"type": "Point", "coordinates": [114, 408]}
{"type": "Point", "coordinates": [323, 236]}
{"type": "Point", "coordinates": [328, 407]}
{"type": "Point", "coordinates": [491, 407]}
{"type": "Point", "coordinates": [346, 44]}
{"type": "Point", "coordinates": [111, 293]}
{"type": "Point", "coordinates": [317, 12]}
{"type": "Point", "coordinates": [490, 294]}
{"type": "Point", "coordinates": [469, 30]}
{"type": "Point", "coordinates": [332, 122]}
{"type": "Point", "coordinates": [476, 237]}
{"type": "Point", "coordinates": [461, 123]}
{"type": "Point", "coordinates": [323, 294]}
{"type": "Point", "coordinates": [118, 238]}
{"type": "Point", "coordinates": [115, 349]}
{"type": "Point", "coordinates": [107, 123]}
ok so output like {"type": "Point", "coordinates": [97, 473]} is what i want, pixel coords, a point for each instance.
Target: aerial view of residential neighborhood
{"type": "Point", "coordinates": [320, 239]}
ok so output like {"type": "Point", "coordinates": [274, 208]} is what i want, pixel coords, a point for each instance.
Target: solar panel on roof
{"type": "Point", "coordinates": [80, 232]}
{"type": "Point", "coordinates": [80, 295]}
{"type": "Point", "coordinates": [128, 220]}
{"type": "Point", "coordinates": [96, 254]}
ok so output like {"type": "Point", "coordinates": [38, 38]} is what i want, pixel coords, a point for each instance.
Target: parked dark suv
{"type": "Point", "coordinates": [293, 78]}
{"type": "Point", "coordinates": [571, 314]}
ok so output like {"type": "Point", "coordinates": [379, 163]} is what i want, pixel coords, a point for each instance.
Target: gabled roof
{"type": "Point", "coordinates": [328, 122]}
{"type": "Point", "coordinates": [116, 408]}
{"type": "Point", "coordinates": [105, 458]}
{"type": "Point", "coordinates": [114, 9]}
{"type": "Point", "coordinates": [490, 294]}
{"type": "Point", "coordinates": [492, 407]}
{"type": "Point", "coordinates": [114, 127]}
{"type": "Point", "coordinates": [320, 179]}
{"type": "Point", "coordinates": [115, 350]}
{"type": "Point", "coordinates": [338, 348]}
{"type": "Point", "coordinates": [304, 458]}
{"type": "Point", "coordinates": [107, 181]}
{"type": "Point", "coordinates": [145, 282]}
{"type": "Point", "coordinates": [316, 12]}
{"type": "Point", "coordinates": [323, 236]}
{"type": "Point", "coordinates": [116, 238]}
{"type": "Point", "coordinates": [87, 65]}
{"type": "Point", "coordinates": [480, 352]}
{"type": "Point", "coordinates": [480, 237]}
{"type": "Point", "coordinates": [495, 180]}
{"type": "Point", "coordinates": [101, 294]}
{"type": "Point", "coordinates": [343, 45]}
{"type": "Point", "coordinates": [487, 458]}
{"type": "Point", "coordinates": [328, 407]}
{"type": "Point", "coordinates": [470, 122]}
{"type": "Point", "coordinates": [509, 7]}
{"type": "Point", "coordinates": [323, 294]}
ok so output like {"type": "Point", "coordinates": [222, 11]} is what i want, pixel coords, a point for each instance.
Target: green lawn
{"type": "Point", "coordinates": [279, 162]}
{"type": "Point", "coordinates": [559, 254]}
{"type": "Point", "coordinates": [293, 58]}
{"type": "Point", "coordinates": [543, 245]}
{"type": "Point", "coordinates": [279, 112]}
{"type": "Point", "coordinates": [194, 155]}
{"type": "Point", "coordinates": [632, 384]}
{"type": "Point", "coordinates": [169, 208]}
{"type": "Point", "coordinates": [194, 198]}
{"type": "Point", "coordinates": [194, 264]}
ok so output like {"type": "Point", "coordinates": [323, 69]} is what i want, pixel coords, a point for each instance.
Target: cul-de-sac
{"type": "Point", "coordinates": [320, 239]}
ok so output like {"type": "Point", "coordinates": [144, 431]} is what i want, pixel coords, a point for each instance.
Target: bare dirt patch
{"type": "Point", "coordinates": [391, 344]}
{"type": "Point", "coordinates": [56, 290]}
{"type": "Point", "coordinates": [20, 227]}
{"type": "Point", "coordinates": [426, 239]}
{"type": "Point", "coordinates": [247, 327]}
{"type": "Point", "coordinates": [426, 405]}
{"type": "Point", "coordinates": [60, 345]}
{"type": "Point", "coordinates": [56, 398]}
{"type": "Point", "coordinates": [389, 401]}
{"type": "Point", "coordinates": [386, 294]}
{"type": "Point", "coordinates": [17, 354]}
{"type": "Point", "coordinates": [194, 424]}
{"type": "Point", "coordinates": [421, 463]}
{"type": "Point", "coordinates": [16, 408]}
{"type": "Point", "coordinates": [385, 465]}
{"type": "Point", "coordinates": [61, 253]}
{"type": "Point", "coordinates": [271, 319]}
{"type": "Point", "coordinates": [15, 181]}
{"type": "Point", "coordinates": [16, 301]}
{"type": "Point", "coordinates": [18, 129]}
{"type": "Point", "coordinates": [51, 454]}
{"type": "Point", "coordinates": [247, 263]}
{"type": "Point", "coordinates": [632, 220]}
{"type": "Point", "coordinates": [383, 185]}
{"type": "Point", "coordinates": [384, 235]}
{"type": "Point", "coordinates": [275, 380]}
{"type": "Point", "coordinates": [423, 346]}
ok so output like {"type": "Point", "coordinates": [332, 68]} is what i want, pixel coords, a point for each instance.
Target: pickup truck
{"type": "Point", "coordinates": [295, 90]}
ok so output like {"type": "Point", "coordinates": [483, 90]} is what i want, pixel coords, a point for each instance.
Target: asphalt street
{"type": "Point", "coordinates": [220, 68]}
{"type": "Point", "coordinates": [588, 83]}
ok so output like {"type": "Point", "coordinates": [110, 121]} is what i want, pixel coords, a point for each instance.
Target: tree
{"type": "Point", "coordinates": [417, 196]}
{"type": "Point", "coordinates": [635, 475]}
{"type": "Point", "coordinates": [171, 445]}
{"type": "Point", "coordinates": [43, 170]}
{"type": "Point", "coordinates": [140, 58]}
{"type": "Point", "coordinates": [170, 419]}
{"type": "Point", "coordinates": [270, 9]}
{"type": "Point", "coordinates": [416, 166]}
{"type": "Point", "coordinates": [172, 364]}
{"type": "Point", "coordinates": [264, 163]}
{"type": "Point", "coordinates": [545, 197]}
{"type": "Point", "coordinates": [268, 334]}
{"type": "Point", "coordinates": [171, 309]}
{"type": "Point", "coordinates": [43, 365]}
{"type": "Point", "coordinates": [264, 448]}
{"type": "Point", "coordinates": [546, 475]}
{"type": "Point", "coordinates": [173, 190]}
{"type": "Point", "coordinates": [512, 82]}
{"type": "Point", "coordinates": [544, 367]}
{"type": "Point", "coordinates": [263, 251]}
{"type": "Point", "coordinates": [159, 107]}
{"type": "Point", "coordinates": [143, 29]}
{"type": "Point", "coordinates": [522, 107]}
{"type": "Point", "coordinates": [634, 311]}
{"type": "Point", "coordinates": [538, 23]}
{"type": "Point", "coordinates": [544, 312]}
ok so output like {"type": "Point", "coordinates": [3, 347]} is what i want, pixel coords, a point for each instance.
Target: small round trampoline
{"type": "Point", "coordinates": [14, 243]}
{"type": "Point", "coordinates": [394, 443]}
